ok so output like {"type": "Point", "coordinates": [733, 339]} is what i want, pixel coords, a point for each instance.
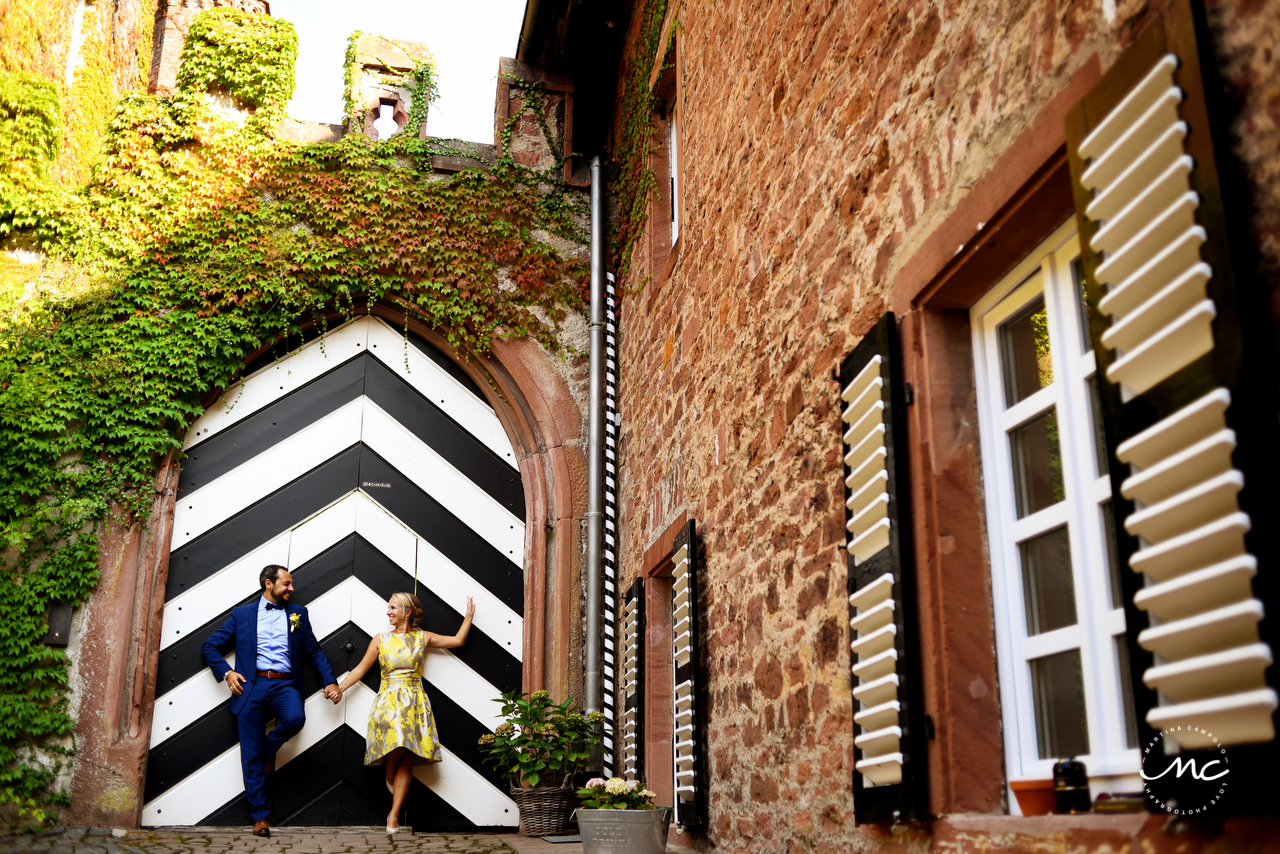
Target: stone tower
{"type": "Point", "coordinates": [172, 19]}
{"type": "Point", "coordinates": [381, 66]}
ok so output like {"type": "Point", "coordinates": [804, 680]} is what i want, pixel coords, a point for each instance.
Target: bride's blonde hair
{"type": "Point", "coordinates": [411, 606]}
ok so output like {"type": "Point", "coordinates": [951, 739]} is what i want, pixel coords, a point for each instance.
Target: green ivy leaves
{"type": "Point", "coordinates": [30, 134]}
{"type": "Point", "coordinates": [249, 56]}
{"type": "Point", "coordinates": [635, 179]}
{"type": "Point", "coordinates": [30, 122]}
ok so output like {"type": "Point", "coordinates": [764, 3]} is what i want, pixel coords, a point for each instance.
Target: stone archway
{"type": "Point", "coordinates": [531, 397]}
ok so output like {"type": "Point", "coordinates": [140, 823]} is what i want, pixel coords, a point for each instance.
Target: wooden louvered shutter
{"type": "Point", "coordinates": [690, 710]}
{"type": "Point", "coordinates": [889, 779]}
{"type": "Point", "coordinates": [1187, 381]}
{"type": "Point", "coordinates": [632, 729]}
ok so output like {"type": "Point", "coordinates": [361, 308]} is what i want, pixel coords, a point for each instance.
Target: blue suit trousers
{"type": "Point", "coordinates": [278, 698]}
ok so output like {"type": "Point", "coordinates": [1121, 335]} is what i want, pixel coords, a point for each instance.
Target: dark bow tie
{"type": "Point", "coordinates": [273, 607]}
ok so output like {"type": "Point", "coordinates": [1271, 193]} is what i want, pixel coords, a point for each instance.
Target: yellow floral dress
{"type": "Point", "coordinates": [401, 714]}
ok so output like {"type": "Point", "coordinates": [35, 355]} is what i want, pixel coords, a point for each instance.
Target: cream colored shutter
{"type": "Point", "coordinates": [1187, 385]}
{"type": "Point", "coordinates": [631, 730]}
{"type": "Point", "coordinates": [888, 720]}
{"type": "Point", "coordinates": [690, 711]}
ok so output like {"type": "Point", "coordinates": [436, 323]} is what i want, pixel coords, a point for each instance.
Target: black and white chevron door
{"type": "Point", "coordinates": [357, 461]}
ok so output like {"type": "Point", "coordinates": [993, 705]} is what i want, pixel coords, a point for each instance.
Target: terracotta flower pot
{"type": "Point", "coordinates": [1035, 797]}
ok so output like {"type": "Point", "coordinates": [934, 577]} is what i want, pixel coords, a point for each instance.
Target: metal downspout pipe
{"type": "Point", "coordinates": [594, 641]}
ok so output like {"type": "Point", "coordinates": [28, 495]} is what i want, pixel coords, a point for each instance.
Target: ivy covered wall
{"type": "Point", "coordinates": [91, 52]}
{"type": "Point", "coordinates": [193, 239]}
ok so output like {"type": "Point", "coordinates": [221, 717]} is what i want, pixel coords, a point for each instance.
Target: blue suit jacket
{"type": "Point", "coordinates": [242, 628]}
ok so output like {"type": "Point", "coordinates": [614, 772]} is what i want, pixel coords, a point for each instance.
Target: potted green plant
{"type": "Point", "coordinates": [618, 816]}
{"type": "Point", "coordinates": [538, 748]}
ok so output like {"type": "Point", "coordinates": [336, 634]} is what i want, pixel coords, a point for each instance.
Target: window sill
{"type": "Point", "coordinates": [673, 255]}
{"type": "Point", "coordinates": [1128, 824]}
{"type": "Point", "coordinates": [657, 283]}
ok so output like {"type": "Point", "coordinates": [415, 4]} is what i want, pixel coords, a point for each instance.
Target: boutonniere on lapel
{"type": "Point", "coordinates": [294, 619]}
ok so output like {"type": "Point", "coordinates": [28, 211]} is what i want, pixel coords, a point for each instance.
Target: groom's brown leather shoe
{"type": "Point", "coordinates": [262, 827]}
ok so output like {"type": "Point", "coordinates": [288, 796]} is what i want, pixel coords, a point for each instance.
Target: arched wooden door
{"type": "Point", "coordinates": [357, 461]}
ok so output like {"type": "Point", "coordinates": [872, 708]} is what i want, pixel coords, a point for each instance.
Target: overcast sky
{"type": "Point", "coordinates": [466, 38]}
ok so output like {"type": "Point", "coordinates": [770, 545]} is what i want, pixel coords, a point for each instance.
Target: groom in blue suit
{"type": "Point", "coordinates": [272, 639]}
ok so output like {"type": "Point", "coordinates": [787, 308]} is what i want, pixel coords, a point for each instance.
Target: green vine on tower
{"type": "Point", "coordinates": [635, 180]}
{"type": "Point", "coordinates": [199, 241]}
{"type": "Point", "coordinates": [250, 57]}
{"type": "Point", "coordinates": [422, 81]}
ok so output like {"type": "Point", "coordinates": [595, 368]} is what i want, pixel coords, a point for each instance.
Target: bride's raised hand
{"type": "Point", "coordinates": [471, 608]}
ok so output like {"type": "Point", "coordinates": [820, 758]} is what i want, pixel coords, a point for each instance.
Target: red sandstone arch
{"type": "Point", "coordinates": [118, 630]}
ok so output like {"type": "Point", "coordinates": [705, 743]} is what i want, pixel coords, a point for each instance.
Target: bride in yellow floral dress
{"type": "Point", "coordinates": [402, 731]}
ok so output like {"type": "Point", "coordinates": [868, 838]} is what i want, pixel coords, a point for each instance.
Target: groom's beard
{"type": "Point", "coordinates": [280, 598]}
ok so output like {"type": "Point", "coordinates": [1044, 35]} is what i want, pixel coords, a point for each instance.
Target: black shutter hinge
{"type": "Point", "coordinates": [929, 732]}
{"type": "Point", "coordinates": [908, 394]}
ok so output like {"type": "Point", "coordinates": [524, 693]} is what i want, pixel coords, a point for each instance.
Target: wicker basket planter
{"type": "Point", "coordinates": [544, 810]}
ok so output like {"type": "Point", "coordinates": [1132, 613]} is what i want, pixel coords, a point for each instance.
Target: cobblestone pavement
{"type": "Point", "coordinates": [284, 840]}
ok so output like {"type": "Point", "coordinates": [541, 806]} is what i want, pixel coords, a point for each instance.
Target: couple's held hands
{"type": "Point", "coordinates": [236, 683]}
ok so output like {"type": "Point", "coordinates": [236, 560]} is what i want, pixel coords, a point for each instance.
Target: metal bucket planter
{"type": "Point", "coordinates": [624, 831]}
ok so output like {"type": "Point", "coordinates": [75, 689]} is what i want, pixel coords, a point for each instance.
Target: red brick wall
{"type": "Point", "coordinates": [824, 143]}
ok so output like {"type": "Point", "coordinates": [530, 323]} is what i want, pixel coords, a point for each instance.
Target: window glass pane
{"type": "Point", "coordinates": [1061, 730]}
{"type": "Point", "coordinates": [1126, 693]}
{"type": "Point", "coordinates": [1047, 585]}
{"type": "Point", "coordinates": [1113, 557]}
{"type": "Point", "coordinates": [1037, 464]}
{"type": "Point", "coordinates": [1101, 459]}
{"type": "Point", "coordinates": [1077, 277]}
{"type": "Point", "coordinates": [1024, 353]}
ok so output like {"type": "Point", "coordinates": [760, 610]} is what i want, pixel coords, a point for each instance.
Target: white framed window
{"type": "Point", "coordinates": [673, 171]}
{"type": "Point", "coordinates": [1060, 626]}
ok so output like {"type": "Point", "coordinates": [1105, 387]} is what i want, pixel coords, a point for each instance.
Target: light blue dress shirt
{"type": "Point", "coordinates": [273, 638]}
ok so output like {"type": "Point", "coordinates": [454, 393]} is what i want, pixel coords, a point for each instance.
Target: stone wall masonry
{"type": "Point", "coordinates": [823, 144]}
{"type": "Point", "coordinates": [528, 142]}
{"type": "Point", "coordinates": [528, 96]}
{"type": "Point", "coordinates": [115, 648]}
